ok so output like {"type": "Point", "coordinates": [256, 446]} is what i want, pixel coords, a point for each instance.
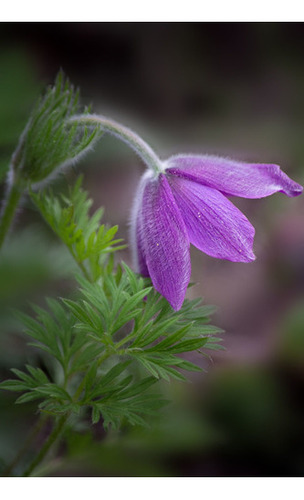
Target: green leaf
{"type": "Point", "coordinates": [187, 345]}
{"type": "Point", "coordinates": [53, 391]}
{"type": "Point", "coordinates": [27, 397]}
{"type": "Point", "coordinates": [103, 384]}
{"type": "Point", "coordinates": [13, 385]}
{"type": "Point", "coordinates": [171, 339]}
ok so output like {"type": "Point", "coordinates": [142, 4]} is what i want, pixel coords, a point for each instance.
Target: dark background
{"type": "Point", "coordinates": [234, 89]}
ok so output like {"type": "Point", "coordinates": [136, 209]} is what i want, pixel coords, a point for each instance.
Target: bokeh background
{"type": "Point", "coordinates": [230, 89]}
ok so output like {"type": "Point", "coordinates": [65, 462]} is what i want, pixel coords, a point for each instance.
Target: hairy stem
{"type": "Point", "coordinates": [8, 210]}
{"type": "Point", "coordinates": [55, 434]}
{"type": "Point", "coordinates": [126, 135]}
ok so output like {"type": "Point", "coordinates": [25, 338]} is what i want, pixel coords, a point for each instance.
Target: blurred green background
{"type": "Point", "coordinates": [228, 89]}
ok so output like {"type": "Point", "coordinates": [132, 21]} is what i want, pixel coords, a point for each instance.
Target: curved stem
{"type": "Point", "coordinates": [126, 135]}
{"type": "Point", "coordinates": [8, 211]}
{"type": "Point", "coordinates": [47, 445]}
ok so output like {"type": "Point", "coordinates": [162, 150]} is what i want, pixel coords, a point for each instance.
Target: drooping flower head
{"type": "Point", "coordinates": [186, 202]}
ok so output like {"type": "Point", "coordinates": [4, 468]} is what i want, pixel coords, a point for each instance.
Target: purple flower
{"type": "Point", "coordinates": [187, 203]}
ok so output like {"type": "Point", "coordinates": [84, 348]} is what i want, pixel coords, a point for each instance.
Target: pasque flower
{"type": "Point", "coordinates": [186, 202]}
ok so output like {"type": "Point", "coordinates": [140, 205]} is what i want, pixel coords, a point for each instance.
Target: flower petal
{"type": "Point", "coordinates": [214, 224]}
{"type": "Point", "coordinates": [136, 229]}
{"type": "Point", "coordinates": [248, 180]}
{"type": "Point", "coordinates": [164, 240]}
{"type": "Point", "coordinates": [141, 261]}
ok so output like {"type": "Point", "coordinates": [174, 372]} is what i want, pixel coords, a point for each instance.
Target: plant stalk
{"type": "Point", "coordinates": [8, 210]}
{"type": "Point", "coordinates": [29, 440]}
{"type": "Point", "coordinates": [126, 135]}
{"type": "Point", "coordinates": [55, 434]}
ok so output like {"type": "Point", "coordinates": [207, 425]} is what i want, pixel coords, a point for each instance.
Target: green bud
{"type": "Point", "coordinates": [50, 140]}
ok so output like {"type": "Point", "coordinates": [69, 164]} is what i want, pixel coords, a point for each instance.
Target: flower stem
{"type": "Point", "coordinates": [47, 445]}
{"type": "Point", "coordinates": [8, 211]}
{"type": "Point", "coordinates": [80, 264]}
{"type": "Point", "coordinates": [126, 135]}
{"type": "Point", "coordinates": [56, 432]}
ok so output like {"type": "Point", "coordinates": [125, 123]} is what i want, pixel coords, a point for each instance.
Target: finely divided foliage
{"type": "Point", "coordinates": [108, 346]}
{"type": "Point", "coordinates": [88, 242]}
{"type": "Point", "coordinates": [50, 140]}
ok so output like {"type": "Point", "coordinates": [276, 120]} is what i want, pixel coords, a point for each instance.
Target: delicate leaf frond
{"type": "Point", "coordinates": [97, 345]}
{"type": "Point", "coordinates": [130, 318]}
{"type": "Point", "coordinates": [89, 242]}
{"type": "Point", "coordinates": [119, 316]}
